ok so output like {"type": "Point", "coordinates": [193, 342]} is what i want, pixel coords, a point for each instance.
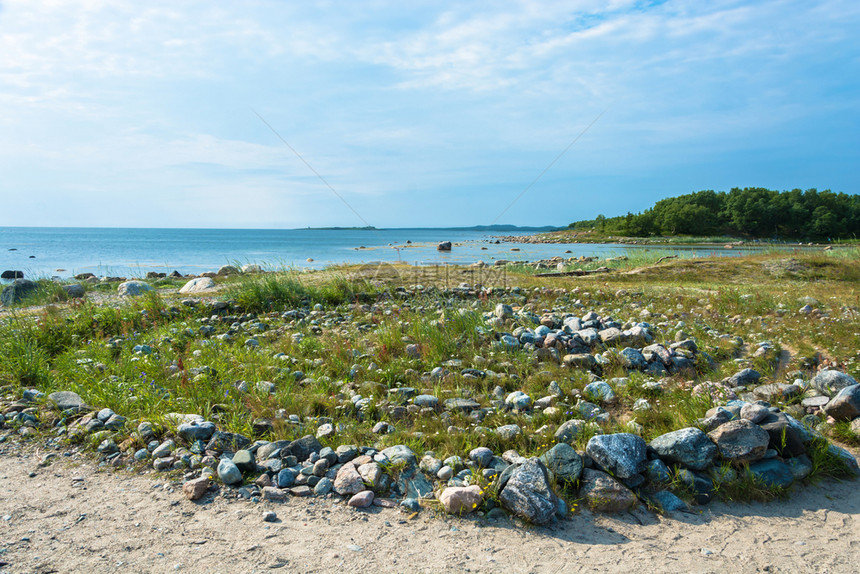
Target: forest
{"type": "Point", "coordinates": [753, 212]}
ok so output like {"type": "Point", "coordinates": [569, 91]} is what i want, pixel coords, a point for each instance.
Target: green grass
{"type": "Point", "coordinates": [351, 334]}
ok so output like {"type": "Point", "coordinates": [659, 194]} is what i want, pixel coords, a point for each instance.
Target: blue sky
{"type": "Point", "coordinates": [141, 114]}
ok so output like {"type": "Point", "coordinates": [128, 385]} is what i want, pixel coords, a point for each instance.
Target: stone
{"type": "Point", "coordinates": [689, 447]}
{"type": "Point", "coordinates": [361, 500]}
{"type": "Point", "coordinates": [197, 285]}
{"type": "Point", "coordinates": [195, 430]}
{"type": "Point", "coordinates": [348, 480]}
{"type": "Point", "coordinates": [527, 493]}
{"type": "Point", "coordinates": [227, 442]}
{"type": "Point", "coordinates": [346, 452]}
{"type": "Point", "coordinates": [269, 516]}
{"type": "Point", "coordinates": [744, 377]}
{"type": "Point", "coordinates": [503, 311]}
{"type": "Point", "coordinates": [245, 461]}
{"type": "Point", "coordinates": [227, 270]}
{"type": "Point", "coordinates": [302, 448]}
{"type": "Point", "coordinates": [599, 391]}
{"type": "Point", "coordinates": [74, 290]}
{"type": "Point", "coordinates": [133, 288]}
{"type": "Point", "coordinates": [445, 473]}
{"type": "Point", "coordinates": [274, 494]}
{"type": "Point", "coordinates": [12, 274]}
{"type": "Point", "coordinates": [754, 412]}
{"type": "Point", "coordinates": [195, 489]}
{"type": "Point", "coordinates": [323, 487]}
{"type": "Point", "coordinates": [228, 472]}
{"type": "Point", "coordinates": [623, 455]}
{"type": "Point", "coordinates": [286, 477]}
{"type": "Point", "coordinates": [444, 246]}
{"type": "Point", "coordinates": [667, 502]}
{"type": "Point", "coordinates": [464, 405]}
{"type": "Point", "coordinates": [657, 472]}
{"type": "Point", "coordinates": [772, 472]}
{"type": "Point", "coordinates": [569, 430]}
{"type": "Point", "coordinates": [740, 440]}
{"type": "Point", "coordinates": [563, 462]}
{"type": "Point", "coordinates": [19, 290]}
{"type": "Point", "coordinates": [271, 449]}
{"type": "Point", "coordinates": [64, 400]}
{"type": "Point", "coordinates": [426, 401]}
{"type": "Point", "coordinates": [846, 457]}
{"type": "Point", "coordinates": [371, 474]}
{"type": "Point", "coordinates": [603, 493]}
{"type": "Point", "coordinates": [800, 466]}
{"type": "Point", "coordinates": [325, 430]}
{"type": "Point", "coordinates": [631, 358]}
{"type": "Point", "coordinates": [777, 391]}
{"type": "Point", "coordinates": [786, 437]}
{"type": "Point", "coordinates": [401, 454]}
{"type": "Point", "coordinates": [831, 382]}
{"type": "Point", "coordinates": [845, 406]}
{"type": "Point", "coordinates": [482, 456]}
{"type": "Point", "coordinates": [518, 400]}
{"type": "Point", "coordinates": [509, 432]}
{"type": "Point", "coordinates": [461, 499]}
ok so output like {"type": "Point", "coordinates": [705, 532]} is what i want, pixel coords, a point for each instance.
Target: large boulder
{"type": "Point", "coordinates": [831, 382]}
{"type": "Point", "coordinates": [401, 453]}
{"type": "Point", "coordinates": [845, 406]}
{"type": "Point", "coordinates": [17, 291]}
{"type": "Point", "coordinates": [228, 270]}
{"type": "Point", "coordinates": [197, 285]}
{"type": "Point", "coordinates": [740, 441]}
{"type": "Point", "coordinates": [603, 493]}
{"type": "Point", "coordinates": [133, 288]}
{"type": "Point", "coordinates": [74, 290]}
{"type": "Point", "coordinates": [302, 448]}
{"type": "Point", "coordinates": [689, 447]}
{"type": "Point", "coordinates": [528, 494]}
{"type": "Point", "coordinates": [623, 454]}
{"type": "Point", "coordinates": [773, 472]}
{"type": "Point", "coordinates": [348, 480]}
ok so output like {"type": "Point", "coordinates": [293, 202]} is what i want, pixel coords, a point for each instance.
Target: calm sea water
{"type": "Point", "coordinates": [64, 252]}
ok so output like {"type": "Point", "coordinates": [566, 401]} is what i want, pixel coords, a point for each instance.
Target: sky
{"type": "Point", "coordinates": [182, 113]}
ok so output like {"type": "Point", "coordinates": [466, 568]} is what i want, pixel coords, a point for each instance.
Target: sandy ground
{"type": "Point", "coordinates": [71, 517]}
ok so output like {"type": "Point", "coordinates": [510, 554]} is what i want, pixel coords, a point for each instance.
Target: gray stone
{"type": "Point", "coordinates": [286, 477]}
{"type": "Point", "coordinates": [745, 377]}
{"type": "Point", "coordinates": [846, 457]}
{"type": "Point", "coordinates": [831, 382]}
{"type": "Point", "coordinates": [599, 391]}
{"type": "Point", "coordinates": [267, 450]}
{"type": "Point", "coordinates": [569, 430]}
{"type": "Point", "coordinates": [482, 456]}
{"type": "Point", "coordinates": [426, 401]}
{"type": "Point", "coordinates": [689, 447]}
{"type": "Point", "coordinates": [656, 471]}
{"type": "Point", "coordinates": [786, 437]}
{"type": "Point", "coordinates": [133, 288]}
{"type": "Point", "coordinates": [563, 462]}
{"type": "Point", "coordinates": [401, 454]}
{"type": "Point", "coordinates": [632, 359]}
{"type": "Point", "coordinates": [228, 472]}
{"type": "Point", "coordinates": [197, 285]}
{"type": "Point", "coordinates": [754, 412]}
{"type": "Point", "coordinates": [245, 461]}
{"type": "Point", "coordinates": [17, 291]}
{"type": "Point", "coordinates": [845, 406]}
{"type": "Point", "coordinates": [323, 487]}
{"type": "Point", "coordinates": [667, 502]}
{"type": "Point", "coordinates": [192, 431]}
{"type": "Point", "coordinates": [603, 493]}
{"type": "Point", "coordinates": [163, 449]}
{"type": "Point", "coordinates": [464, 405]}
{"type": "Point", "coordinates": [228, 270]}
{"type": "Point", "coordinates": [509, 432]}
{"type": "Point", "coordinates": [518, 400]}
{"type": "Point", "coordinates": [800, 466]}
{"type": "Point", "coordinates": [740, 440]}
{"type": "Point", "coordinates": [528, 494]}
{"type": "Point", "coordinates": [623, 455]}
{"type": "Point", "coordinates": [777, 391]}
{"type": "Point", "coordinates": [74, 291]}
{"type": "Point", "coordinates": [772, 472]}
{"type": "Point", "coordinates": [64, 400]}
{"type": "Point", "coordinates": [413, 484]}
{"type": "Point", "coordinates": [346, 452]}
{"type": "Point", "coordinates": [227, 442]}
{"type": "Point", "coordinates": [302, 448]}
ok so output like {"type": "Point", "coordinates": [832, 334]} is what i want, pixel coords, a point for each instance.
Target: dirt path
{"type": "Point", "coordinates": [70, 517]}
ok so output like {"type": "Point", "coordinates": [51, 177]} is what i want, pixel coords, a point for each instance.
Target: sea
{"type": "Point", "coordinates": [62, 252]}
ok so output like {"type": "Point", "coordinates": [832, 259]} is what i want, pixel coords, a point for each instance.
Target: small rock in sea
{"type": "Point", "coordinates": [444, 246]}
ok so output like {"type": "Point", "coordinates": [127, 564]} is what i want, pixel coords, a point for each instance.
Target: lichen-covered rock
{"type": "Point", "coordinates": [689, 447]}
{"type": "Point", "coordinates": [740, 441]}
{"type": "Point", "coordinates": [831, 382]}
{"type": "Point", "coordinates": [603, 493]}
{"type": "Point", "coordinates": [528, 494]}
{"type": "Point", "coordinates": [622, 454]}
{"type": "Point", "coordinates": [563, 462]}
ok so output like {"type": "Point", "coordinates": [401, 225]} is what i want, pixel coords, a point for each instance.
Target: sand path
{"type": "Point", "coordinates": [70, 517]}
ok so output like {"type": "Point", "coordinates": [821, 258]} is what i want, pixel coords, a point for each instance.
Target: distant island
{"type": "Point", "coordinates": [487, 228]}
{"type": "Point", "coordinates": [752, 212]}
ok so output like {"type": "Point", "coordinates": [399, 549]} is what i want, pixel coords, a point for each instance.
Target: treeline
{"type": "Point", "coordinates": [751, 211]}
